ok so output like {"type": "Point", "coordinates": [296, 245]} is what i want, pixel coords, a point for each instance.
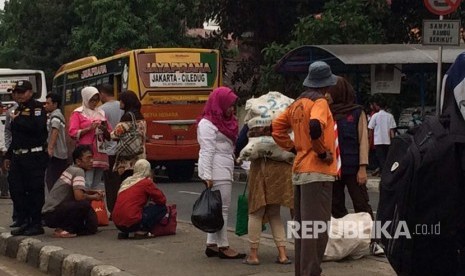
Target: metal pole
{"type": "Point", "coordinates": [439, 78]}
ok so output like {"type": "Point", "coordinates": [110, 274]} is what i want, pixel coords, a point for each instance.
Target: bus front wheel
{"type": "Point", "coordinates": [180, 170]}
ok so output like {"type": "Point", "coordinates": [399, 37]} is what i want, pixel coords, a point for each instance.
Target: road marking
{"type": "Point", "coordinates": [187, 192]}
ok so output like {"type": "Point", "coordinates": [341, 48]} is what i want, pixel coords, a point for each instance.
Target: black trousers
{"type": "Point", "coordinates": [55, 168]}
{"type": "Point", "coordinates": [381, 154]}
{"type": "Point", "coordinates": [358, 194]}
{"type": "Point", "coordinates": [76, 217]}
{"type": "Point", "coordinates": [151, 216]}
{"type": "Point", "coordinates": [112, 183]}
{"type": "Point", "coordinates": [26, 180]}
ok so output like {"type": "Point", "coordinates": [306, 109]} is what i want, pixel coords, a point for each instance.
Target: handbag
{"type": "Point", "coordinates": [130, 144]}
{"type": "Point", "coordinates": [101, 212]}
{"type": "Point", "coordinates": [167, 226]}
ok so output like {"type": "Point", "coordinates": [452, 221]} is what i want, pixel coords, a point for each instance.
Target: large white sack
{"type": "Point", "coordinates": [349, 242]}
{"type": "Point", "coordinates": [265, 146]}
{"type": "Point", "coordinates": [260, 112]}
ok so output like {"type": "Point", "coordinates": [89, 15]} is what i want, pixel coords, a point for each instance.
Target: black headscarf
{"type": "Point", "coordinates": [131, 104]}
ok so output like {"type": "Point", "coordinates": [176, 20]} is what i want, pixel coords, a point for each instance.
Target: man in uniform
{"type": "Point", "coordinates": [28, 160]}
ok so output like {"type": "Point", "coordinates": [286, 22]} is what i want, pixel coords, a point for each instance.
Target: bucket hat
{"type": "Point", "coordinates": [319, 75]}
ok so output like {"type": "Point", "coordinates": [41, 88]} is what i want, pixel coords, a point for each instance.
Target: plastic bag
{"type": "Point", "coordinates": [207, 212]}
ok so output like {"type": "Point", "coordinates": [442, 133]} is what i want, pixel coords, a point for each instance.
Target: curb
{"type": "Point", "coordinates": [54, 260]}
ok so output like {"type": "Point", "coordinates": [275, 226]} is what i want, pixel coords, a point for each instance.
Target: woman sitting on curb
{"type": "Point", "coordinates": [132, 212]}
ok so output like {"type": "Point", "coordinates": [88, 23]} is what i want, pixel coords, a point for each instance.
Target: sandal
{"type": "Point", "coordinates": [211, 252]}
{"type": "Point", "coordinates": [222, 255]}
{"type": "Point", "coordinates": [63, 234]}
{"type": "Point", "coordinates": [285, 262]}
{"type": "Point", "coordinates": [248, 262]}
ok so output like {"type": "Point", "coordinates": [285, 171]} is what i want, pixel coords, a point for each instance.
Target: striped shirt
{"type": "Point", "coordinates": [73, 178]}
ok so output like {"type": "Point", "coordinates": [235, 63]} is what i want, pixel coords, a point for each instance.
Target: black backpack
{"type": "Point", "coordinates": [422, 190]}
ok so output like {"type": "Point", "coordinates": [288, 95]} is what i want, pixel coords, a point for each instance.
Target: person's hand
{"type": "Point", "coordinates": [13, 115]}
{"type": "Point", "coordinates": [50, 151]}
{"type": "Point", "coordinates": [362, 175]}
{"type": "Point", "coordinates": [209, 183]}
{"type": "Point", "coordinates": [99, 196]}
{"type": "Point", "coordinates": [94, 125]}
{"type": "Point", "coordinates": [328, 159]}
{"type": "Point", "coordinates": [6, 164]}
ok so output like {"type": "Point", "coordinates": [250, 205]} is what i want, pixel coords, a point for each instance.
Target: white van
{"type": "Point", "coordinates": [9, 76]}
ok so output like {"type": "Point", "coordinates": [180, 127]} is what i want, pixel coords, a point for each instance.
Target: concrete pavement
{"type": "Point", "coordinates": [181, 254]}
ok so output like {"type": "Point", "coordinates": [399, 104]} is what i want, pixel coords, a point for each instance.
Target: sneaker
{"type": "Point", "coordinates": [20, 230]}
{"type": "Point", "coordinates": [376, 249]}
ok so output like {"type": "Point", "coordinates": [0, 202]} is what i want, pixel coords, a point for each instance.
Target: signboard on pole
{"type": "Point", "coordinates": [441, 32]}
{"type": "Point", "coordinates": [442, 7]}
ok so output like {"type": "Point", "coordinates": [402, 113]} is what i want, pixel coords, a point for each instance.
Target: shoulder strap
{"type": "Point", "coordinates": [133, 118]}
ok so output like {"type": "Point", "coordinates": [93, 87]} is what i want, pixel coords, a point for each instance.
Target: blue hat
{"type": "Point", "coordinates": [320, 75]}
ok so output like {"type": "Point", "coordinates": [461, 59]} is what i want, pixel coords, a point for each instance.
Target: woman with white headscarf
{"type": "Point", "coordinates": [88, 126]}
{"type": "Point", "coordinates": [140, 205]}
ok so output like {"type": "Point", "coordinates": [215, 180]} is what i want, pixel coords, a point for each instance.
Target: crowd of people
{"type": "Point", "coordinates": [35, 141]}
{"type": "Point", "coordinates": [312, 187]}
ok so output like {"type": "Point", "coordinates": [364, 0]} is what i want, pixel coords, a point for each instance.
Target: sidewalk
{"type": "Point", "coordinates": [181, 254]}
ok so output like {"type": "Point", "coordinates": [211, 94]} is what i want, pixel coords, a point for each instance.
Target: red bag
{"type": "Point", "coordinates": [167, 226]}
{"type": "Point", "coordinates": [101, 211]}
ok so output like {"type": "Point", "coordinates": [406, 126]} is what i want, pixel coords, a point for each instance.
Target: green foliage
{"type": "Point", "coordinates": [341, 22]}
{"type": "Point", "coordinates": [109, 25]}
{"type": "Point", "coordinates": [34, 34]}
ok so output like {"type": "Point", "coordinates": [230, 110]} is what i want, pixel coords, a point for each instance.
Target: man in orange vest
{"type": "Point", "coordinates": [314, 169]}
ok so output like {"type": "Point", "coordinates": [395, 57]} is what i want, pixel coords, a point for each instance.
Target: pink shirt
{"type": "Point", "coordinates": [78, 122]}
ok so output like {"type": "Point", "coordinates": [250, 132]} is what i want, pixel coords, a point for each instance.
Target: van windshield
{"type": "Point", "coordinates": [7, 81]}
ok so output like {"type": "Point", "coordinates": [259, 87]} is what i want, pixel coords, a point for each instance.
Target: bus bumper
{"type": "Point", "coordinates": [161, 152]}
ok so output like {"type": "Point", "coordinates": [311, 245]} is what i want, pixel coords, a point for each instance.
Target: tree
{"type": "Point", "coordinates": [108, 25]}
{"type": "Point", "coordinates": [35, 34]}
{"type": "Point", "coordinates": [341, 22]}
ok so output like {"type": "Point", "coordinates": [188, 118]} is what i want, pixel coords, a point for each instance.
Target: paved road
{"type": "Point", "coordinates": [184, 195]}
{"type": "Point", "coordinates": [11, 267]}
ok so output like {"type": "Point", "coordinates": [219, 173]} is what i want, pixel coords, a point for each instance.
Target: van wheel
{"type": "Point", "coordinates": [180, 170]}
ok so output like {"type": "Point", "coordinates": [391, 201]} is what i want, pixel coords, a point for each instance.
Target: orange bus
{"type": "Point", "coordinates": [172, 84]}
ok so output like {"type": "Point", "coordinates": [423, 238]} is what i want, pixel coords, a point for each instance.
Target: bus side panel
{"type": "Point", "coordinates": [172, 131]}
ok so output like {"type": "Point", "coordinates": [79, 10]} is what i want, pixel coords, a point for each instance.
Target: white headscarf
{"type": "Point", "coordinates": [142, 170]}
{"type": "Point", "coordinates": [96, 114]}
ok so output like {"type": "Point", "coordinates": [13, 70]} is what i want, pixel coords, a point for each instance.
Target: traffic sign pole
{"type": "Point", "coordinates": [439, 78]}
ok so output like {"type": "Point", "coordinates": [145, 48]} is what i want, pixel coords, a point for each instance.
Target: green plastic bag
{"type": "Point", "coordinates": [242, 215]}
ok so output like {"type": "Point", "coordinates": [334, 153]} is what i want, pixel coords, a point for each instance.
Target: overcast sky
{"type": "Point", "coordinates": [1, 4]}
